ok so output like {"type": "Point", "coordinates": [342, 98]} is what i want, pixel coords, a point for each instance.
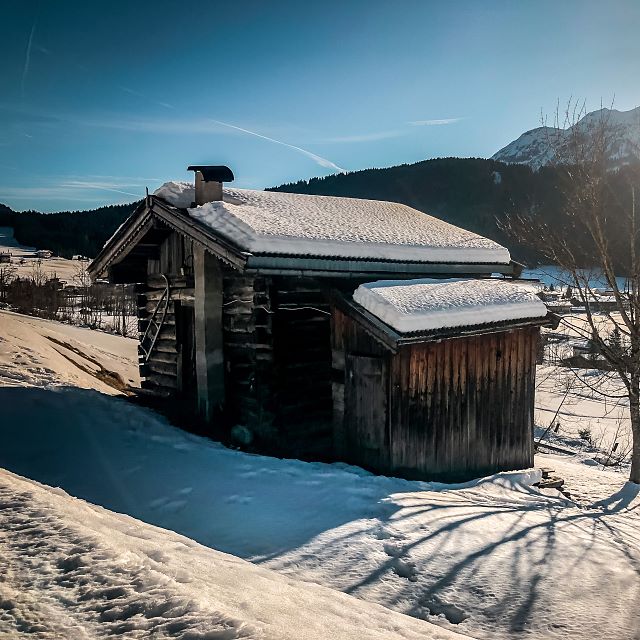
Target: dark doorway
{"type": "Point", "coordinates": [185, 335]}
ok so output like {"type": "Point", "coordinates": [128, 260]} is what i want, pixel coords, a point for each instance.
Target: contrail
{"type": "Point", "coordinates": [79, 184]}
{"type": "Point", "coordinates": [27, 57]}
{"type": "Point", "coordinates": [432, 123]}
{"type": "Point", "coordinates": [323, 162]}
{"type": "Point", "coordinates": [126, 193]}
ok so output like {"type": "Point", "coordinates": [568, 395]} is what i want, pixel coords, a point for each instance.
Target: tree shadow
{"type": "Point", "coordinates": [496, 548]}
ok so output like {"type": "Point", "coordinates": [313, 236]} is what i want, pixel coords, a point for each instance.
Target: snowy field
{"type": "Point", "coordinates": [573, 398]}
{"type": "Point", "coordinates": [489, 559]}
{"type": "Point", "coordinates": [569, 399]}
{"type": "Point", "coordinates": [69, 569]}
{"type": "Point", "coordinates": [38, 352]}
{"type": "Point", "coordinates": [64, 269]}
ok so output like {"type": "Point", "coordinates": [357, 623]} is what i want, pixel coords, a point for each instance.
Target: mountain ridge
{"type": "Point", "coordinates": [537, 147]}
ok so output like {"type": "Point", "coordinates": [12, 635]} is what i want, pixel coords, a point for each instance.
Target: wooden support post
{"type": "Point", "coordinates": [208, 333]}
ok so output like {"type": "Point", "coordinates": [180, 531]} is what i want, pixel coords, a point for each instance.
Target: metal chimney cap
{"type": "Point", "coordinates": [211, 173]}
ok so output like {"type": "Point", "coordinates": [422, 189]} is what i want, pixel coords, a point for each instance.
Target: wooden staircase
{"type": "Point", "coordinates": [154, 326]}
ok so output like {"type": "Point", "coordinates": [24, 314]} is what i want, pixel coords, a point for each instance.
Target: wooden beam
{"type": "Point", "coordinates": [208, 332]}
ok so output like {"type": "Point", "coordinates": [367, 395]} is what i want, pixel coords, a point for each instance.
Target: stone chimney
{"type": "Point", "coordinates": [208, 182]}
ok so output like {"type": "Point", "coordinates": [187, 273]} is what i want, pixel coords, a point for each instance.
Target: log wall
{"type": "Point", "coordinates": [276, 346]}
{"type": "Point", "coordinates": [248, 353]}
{"type": "Point", "coordinates": [278, 360]}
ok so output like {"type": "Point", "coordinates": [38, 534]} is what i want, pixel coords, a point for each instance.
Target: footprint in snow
{"type": "Point", "coordinates": [453, 613]}
{"type": "Point", "coordinates": [404, 569]}
{"type": "Point", "coordinates": [393, 549]}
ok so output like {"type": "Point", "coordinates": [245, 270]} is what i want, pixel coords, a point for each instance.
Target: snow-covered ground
{"type": "Point", "coordinates": [25, 260]}
{"type": "Point", "coordinates": [69, 569]}
{"type": "Point", "coordinates": [37, 352]}
{"type": "Point", "coordinates": [491, 559]}
{"type": "Point", "coordinates": [569, 398]}
{"type": "Point", "coordinates": [573, 398]}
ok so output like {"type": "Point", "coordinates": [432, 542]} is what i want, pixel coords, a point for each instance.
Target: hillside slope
{"type": "Point", "coordinates": [66, 233]}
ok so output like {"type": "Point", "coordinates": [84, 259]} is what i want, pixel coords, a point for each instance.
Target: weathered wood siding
{"type": "Point", "coordinates": [456, 409]}
{"type": "Point", "coordinates": [347, 337]}
{"type": "Point", "coordinates": [464, 407]}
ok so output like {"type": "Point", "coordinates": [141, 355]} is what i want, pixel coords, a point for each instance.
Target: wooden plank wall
{"type": "Point", "coordinates": [458, 408]}
{"type": "Point", "coordinates": [463, 408]}
{"type": "Point", "coordinates": [347, 337]}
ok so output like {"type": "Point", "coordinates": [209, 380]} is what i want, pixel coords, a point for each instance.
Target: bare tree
{"type": "Point", "coordinates": [596, 230]}
{"type": "Point", "coordinates": [7, 274]}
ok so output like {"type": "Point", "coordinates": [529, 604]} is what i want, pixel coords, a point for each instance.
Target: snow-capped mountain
{"type": "Point", "coordinates": [536, 147]}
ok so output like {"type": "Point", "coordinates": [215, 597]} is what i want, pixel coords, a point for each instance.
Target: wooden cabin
{"type": "Point", "coordinates": [436, 379]}
{"type": "Point", "coordinates": [235, 290]}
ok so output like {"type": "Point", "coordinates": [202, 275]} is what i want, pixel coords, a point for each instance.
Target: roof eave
{"type": "Point", "coordinates": [182, 222]}
{"type": "Point", "coordinates": [124, 237]}
{"type": "Point", "coordinates": [352, 267]}
{"type": "Point", "coordinates": [179, 220]}
{"type": "Point", "coordinates": [141, 220]}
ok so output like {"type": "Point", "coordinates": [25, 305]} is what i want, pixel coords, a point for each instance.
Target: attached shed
{"type": "Point", "coordinates": [436, 379]}
{"type": "Point", "coordinates": [235, 289]}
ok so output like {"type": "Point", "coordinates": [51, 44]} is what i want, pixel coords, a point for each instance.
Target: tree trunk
{"type": "Point", "coordinates": [634, 413]}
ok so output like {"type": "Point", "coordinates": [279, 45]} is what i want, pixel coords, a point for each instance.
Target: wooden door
{"type": "Point", "coordinates": [366, 430]}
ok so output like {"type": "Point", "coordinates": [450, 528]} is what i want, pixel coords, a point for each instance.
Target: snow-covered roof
{"type": "Point", "coordinates": [267, 222]}
{"type": "Point", "coordinates": [428, 304]}
{"type": "Point", "coordinates": [179, 194]}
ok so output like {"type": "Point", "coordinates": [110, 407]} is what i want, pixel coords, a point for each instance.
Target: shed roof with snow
{"type": "Point", "coordinates": [429, 305]}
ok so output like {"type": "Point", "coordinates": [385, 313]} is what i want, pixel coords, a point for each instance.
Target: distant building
{"type": "Point", "coordinates": [5, 257]}
{"type": "Point", "coordinates": [248, 318]}
{"type": "Point", "coordinates": [44, 253]}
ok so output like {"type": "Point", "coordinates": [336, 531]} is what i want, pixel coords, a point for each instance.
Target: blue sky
{"type": "Point", "coordinates": [100, 99]}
